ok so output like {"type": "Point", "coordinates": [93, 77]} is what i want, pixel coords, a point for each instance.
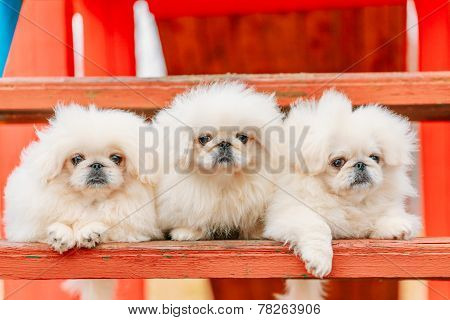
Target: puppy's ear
{"type": "Point", "coordinates": [309, 150]}
{"type": "Point", "coordinates": [133, 165]}
{"type": "Point", "coordinates": [306, 144]}
{"type": "Point", "coordinates": [393, 133]}
{"type": "Point", "coordinates": [45, 160]}
{"type": "Point", "coordinates": [309, 130]}
{"type": "Point", "coordinates": [183, 148]}
{"type": "Point", "coordinates": [47, 156]}
{"type": "Point", "coordinates": [141, 150]}
{"type": "Point", "coordinates": [144, 161]}
{"type": "Point", "coordinates": [271, 141]}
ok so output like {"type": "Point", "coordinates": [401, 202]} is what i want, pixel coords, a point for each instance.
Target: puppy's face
{"type": "Point", "coordinates": [353, 152]}
{"type": "Point", "coordinates": [87, 150]}
{"type": "Point", "coordinates": [92, 171]}
{"type": "Point", "coordinates": [225, 149]}
{"type": "Point", "coordinates": [349, 160]}
{"type": "Point", "coordinates": [352, 169]}
{"type": "Point", "coordinates": [223, 132]}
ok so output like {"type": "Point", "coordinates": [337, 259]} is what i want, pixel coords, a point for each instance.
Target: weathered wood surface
{"type": "Point", "coordinates": [420, 96]}
{"type": "Point", "coordinates": [169, 9]}
{"type": "Point", "coordinates": [425, 258]}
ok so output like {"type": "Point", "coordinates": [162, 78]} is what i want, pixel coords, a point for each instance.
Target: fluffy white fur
{"type": "Point", "coordinates": [319, 201]}
{"type": "Point", "coordinates": [303, 290]}
{"type": "Point", "coordinates": [49, 199]}
{"type": "Point", "coordinates": [200, 197]}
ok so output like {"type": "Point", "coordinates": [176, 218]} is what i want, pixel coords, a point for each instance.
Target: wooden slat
{"type": "Point", "coordinates": [169, 9]}
{"type": "Point", "coordinates": [420, 96]}
{"type": "Point", "coordinates": [270, 43]}
{"type": "Point", "coordinates": [434, 54]}
{"type": "Point", "coordinates": [421, 258]}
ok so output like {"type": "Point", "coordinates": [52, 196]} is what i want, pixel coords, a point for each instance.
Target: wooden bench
{"type": "Point", "coordinates": [420, 96]}
{"type": "Point", "coordinates": [424, 258]}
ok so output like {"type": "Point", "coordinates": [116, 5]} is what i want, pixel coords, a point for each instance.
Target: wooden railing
{"type": "Point", "coordinates": [420, 96]}
{"type": "Point", "coordinates": [424, 258]}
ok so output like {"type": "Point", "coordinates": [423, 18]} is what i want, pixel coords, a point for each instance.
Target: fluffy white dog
{"type": "Point", "coordinates": [79, 185]}
{"type": "Point", "coordinates": [349, 179]}
{"type": "Point", "coordinates": [217, 153]}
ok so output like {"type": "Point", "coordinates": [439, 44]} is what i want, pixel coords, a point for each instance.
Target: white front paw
{"type": "Point", "coordinates": [317, 258]}
{"type": "Point", "coordinates": [396, 227]}
{"type": "Point", "coordinates": [185, 234]}
{"type": "Point", "coordinates": [91, 235]}
{"type": "Point", "coordinates": [60, 237]}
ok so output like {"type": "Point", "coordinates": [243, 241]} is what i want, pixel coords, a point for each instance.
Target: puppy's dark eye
{"type": "Point", "coordinates": [242, 137]}
{"type": "Point", "coordinates": [204, 139]}
{"type": "Point", "coordinates": [375, 158]}
{"type": "Point", "coordinates": [338, 163]}
{"type": "Point", "coordinates": [76, 159]}
{"type": "Point", "coordinates": [115, 158]}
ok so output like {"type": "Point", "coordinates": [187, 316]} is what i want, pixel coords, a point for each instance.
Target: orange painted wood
{"type": "Point", "coordinates": [42, 41]}
{"type": "Point", "coordinates": [421, 258]}
{"type": "Point", "coordinates": [108, 37]}
{"type": "Point", "coordinates": [420, 96]}
{"type": "Point", "coordinates": [434, 54]}
{"type": "Point", "coordinates": [35, 290]}
{"type": "Point", "coordinates": [130, 289]}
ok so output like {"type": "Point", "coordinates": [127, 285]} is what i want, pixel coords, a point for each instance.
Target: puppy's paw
{"type": "Point", "coordinates": [318, 259]}
{"type": "Point", "coordinates": [60, 237]}
{"type": "Point", "coordinates": [185, 234]}
{"type": "Point", "coordinates": [91, 235]}
{"type": "Point", "coordinates": [404, 227]}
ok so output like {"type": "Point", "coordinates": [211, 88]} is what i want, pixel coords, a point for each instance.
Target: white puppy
{"type": "Point", "coordinates": [78, 185]}
{"type": "Point", "coordinates": [349, 178]}
{"type": "Point", "coordinates": [216, 154]}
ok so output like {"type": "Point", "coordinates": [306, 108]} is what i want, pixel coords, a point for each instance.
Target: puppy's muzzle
{"type": "Point", "coordinates": [96, 176]}
{"type": "Point", "coordinates": [224, 154]}
{"type": "Point", "coordinates": [224, 145]}
{"type": "Point", "coordinates": [361, 176]}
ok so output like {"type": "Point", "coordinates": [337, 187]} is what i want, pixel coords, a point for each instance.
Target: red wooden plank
{"type": "Point", "coordinates": [42, 43]}
{"type": "Point", "coordinates": [108, 37]}
{"type": "Point", "coordinates": [247, 289]}
{"type": "Point", "coordinates": [420, 258]}
{"type": "Point", "coordinates": [330, 41]}
{"type": "Point", "coordinates": [167, 9]}
{"type": "Point", "coordinates": [417, 95]}
{"type": "Point", "coordinates": [434, 46]}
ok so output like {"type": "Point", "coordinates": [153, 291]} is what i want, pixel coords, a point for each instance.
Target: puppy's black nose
{"type": "Point", "coordinates": [96, 166]}
{"type": "Point", "coordinates": [360, 165]}
{"type": "Point", "coordinates": [224, 144]}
